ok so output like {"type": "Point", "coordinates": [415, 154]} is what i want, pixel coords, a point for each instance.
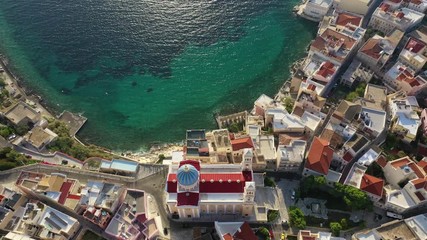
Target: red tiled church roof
{"type": "Point", "coordinates": [171, 183]}
{"type": "Point", "coordinates": [320, 156]}
{"type": "Point", "coordinates": [215, 182]}
{"type": "Point", "coordinates": [188, 199]}
{"type": "Point", "coordinates": [222, 183]}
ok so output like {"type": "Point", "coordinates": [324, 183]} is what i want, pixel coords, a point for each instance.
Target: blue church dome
{"type": "Point", "coordinates": [187, 175]}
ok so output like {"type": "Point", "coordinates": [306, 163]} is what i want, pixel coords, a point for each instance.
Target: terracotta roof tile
{"type": "Point", "coordinates": [245, 232]}
{"type": "Point", "coordinates": [423, 165]}
{"type": "Point", "coordinates": [348, 156]}
{"type": "Point", "coordinates": [400, 162]}
{"type": "Point", "coordinates": [372, 48]}
{"type": "Point", "coordinates": [414, 45]}
{"type": "Point", "coordinates": [345, 18]}
{"type": "Point", "coordinates": [241, 143]}
{"type": "Point", "coordinates": [416, 170]}
{"type": "Point", "coordinates": [320, 156]}
{"type": "Point", "coordinates": [419, 182]}
{"type": "Point", "coordinates": [384, 6]}
{"type": "Point", "coordinates": [372, 185]}
{"type": "Point", "coordinates": [382, 161]}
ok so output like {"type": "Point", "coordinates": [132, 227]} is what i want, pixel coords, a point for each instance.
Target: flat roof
{"type": "Point", "coordinates": [56, 221]}
{"type": "Point", "coordinates": [355, 175]}
{"type": "Point", "coordinates": [198, 134]}
{"type": "Point", "coordinates": [310, 120]}
{"type": "Point", "coordinates": [293, 152]}
{"type": "Point", "coordinates": [267, 148]}
{"type": "Point", "coordinates": [419, 225]}
{"type": "Point", "coordinates": [401, 198]}
{"type": "Point", "coordinates": [369, 157]}
{"type": "Point", "coordinates": [409, 122]}
{"type": "Point", "coordinates": [322, 3]}
{"type": "Point", "coordinates": [376, 119]}
{"type": "Point", "coordinates": [120, 165]}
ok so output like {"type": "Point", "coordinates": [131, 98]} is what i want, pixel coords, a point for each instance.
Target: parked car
{"type": "Point", "coordinates": [293, 194]}
{"type": "Point", "coordinates": [11, 137]}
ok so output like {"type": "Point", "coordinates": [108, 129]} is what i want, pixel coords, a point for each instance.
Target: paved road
{"type": "Point", "coordinates": [55, 158]}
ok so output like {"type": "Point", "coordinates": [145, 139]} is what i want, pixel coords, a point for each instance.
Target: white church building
{"type": "Point", "coordinates": [195, 190]}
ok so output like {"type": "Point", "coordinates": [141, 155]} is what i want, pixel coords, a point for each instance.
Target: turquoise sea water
{"type": "Point", "coordinates": [144, 71]}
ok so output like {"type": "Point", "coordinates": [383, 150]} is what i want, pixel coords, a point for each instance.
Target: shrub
{"type": "Point", "coordinates": [335, 228]}
{"type": "Point", "coordinates": [344, 223]}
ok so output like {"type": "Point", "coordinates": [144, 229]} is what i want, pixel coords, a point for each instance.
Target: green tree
{"type": "Point", "coordinates": [93, 163]}
{"type": "Point", "coordinates": [264, 232]}
{"type": "Point", "coordinates": [22, 129]}
{"type": "Point", "coordinates": [79, 151]}
{"type": "Point", "coordinates": [288, 103]}
{"type": "Point", "coordinates": [351, 96]}
{"type": "Point", "coordinates": [269, 182]}
{"type": "Point", "coordinates": [312, 182]}
{"type": "Point", "coordinates": [335, 228]}
{"type": "Point", "coordinates": [5, 131]}
{"type": "Point", "coordinates": [354, 198]}
{"type": "Point", "coordinates": [375, 170]}
{"type": "Point", "coordinates": [161, 158]}
{"type": "Point", "coordinates": [296, 218]}
{"type": "Point", "coordinates": [9, 158]}
{"type": "Point", "coordinates": [344, 223]}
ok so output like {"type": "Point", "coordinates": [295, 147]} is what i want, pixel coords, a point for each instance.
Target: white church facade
{"type": "Point", "coordinates": [194, 189]}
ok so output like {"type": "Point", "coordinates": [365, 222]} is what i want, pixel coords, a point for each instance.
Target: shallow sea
{"type": "Point", "coordinates": [144, 71]}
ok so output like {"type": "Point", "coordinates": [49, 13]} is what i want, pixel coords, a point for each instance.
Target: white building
{"type": "Point", "coordinates": [357, 178]}
{"type": "Point", "coordinates": [263, 103]}
{"type": "Point", "coordinates": [374, 120]}
{"type": "Point", "coordinates": [411, 228]}
{"type": "Point", "coordinates": [405, 121]}
{"type": "Point", "coordinates": [401, 77]}
{"type": "Point", "coordinates": [195, 190]}
{"type": "Point", "coordinates": [315, 10]}
{"type": "Point", "coordinates": [413, 194]}
{"type": "Point", "coordinates": [290, 157]}
{"type": "Point", "coordinates": [355, 6]}
{"type": "Point", "coordinates": [418, 5]}
{"type": "Point", "coordinates": [414, 54]}
{"type": "Point", "coordinates": [308, 235]}
{"type": "Point", "coordinates": [385, 19]}
{"type": "Point", "coordinates": [376, 52]}
{"type": "Point", "coordinates": [283, 122]}
{"type": "Point", "coordinates": [333, 46]}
